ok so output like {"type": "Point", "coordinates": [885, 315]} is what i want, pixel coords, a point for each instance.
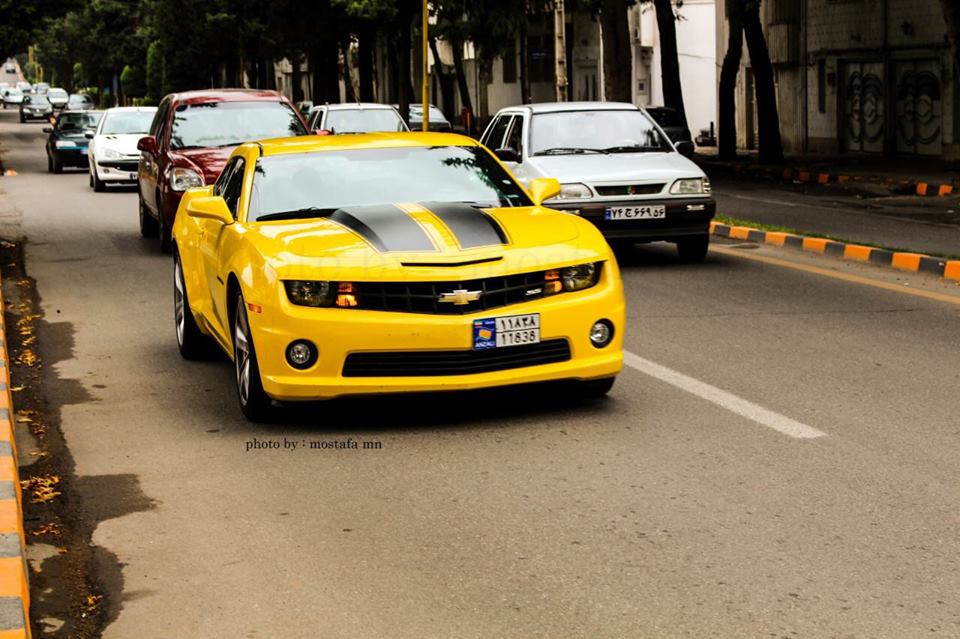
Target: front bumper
{"type": "Point", "coordinates": [72, 156]}
{"type": "Point", "coordinates": [122, 170]}
{"type": "Point", "coordinates": [340, 332]}
{"type": "Point", "coordinates": [684, 217]}
{"type": "Point", "coordinates": [35, 115]}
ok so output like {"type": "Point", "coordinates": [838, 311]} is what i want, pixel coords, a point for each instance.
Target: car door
{"type": "Point", "coordinates": [229, 186]}
{"type": "Point", "coordinates": [148, 171]}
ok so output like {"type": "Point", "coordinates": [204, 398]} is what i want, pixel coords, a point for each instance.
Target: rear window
{"type": "Point", "coordinates": [213, 124]}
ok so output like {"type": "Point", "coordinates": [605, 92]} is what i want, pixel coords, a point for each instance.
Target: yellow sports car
{"type": "Point", "coordinates": [386, 263]}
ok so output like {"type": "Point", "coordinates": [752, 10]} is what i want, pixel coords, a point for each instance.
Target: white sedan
{"type": "Point", "coordinates": [113, 153]}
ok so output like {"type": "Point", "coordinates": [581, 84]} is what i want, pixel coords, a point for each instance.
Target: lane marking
{"type": "Point", "coordinates": [720, 397]}
{"type": "Point", "coordinates": [846, 277]}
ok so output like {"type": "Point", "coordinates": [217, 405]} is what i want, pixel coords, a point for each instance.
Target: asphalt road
{"type": "Point", "coordinates": [779, 460]}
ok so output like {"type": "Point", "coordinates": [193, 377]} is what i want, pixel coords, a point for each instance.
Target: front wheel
{"type": "Point", "coordinates": [56, 165]}
{"type": "Point", "coordinates": [164, 233]}
{"type": "Point", "coordinates": [148, 225]}
{"type": "Point", "coordinates": [694, 249]}
{"type": "Point", "coordinates": [98, 185]}
{"type": "Point", "coordinates": [254, 402]}
{"type": "Point", "coordinates": [191, 342]}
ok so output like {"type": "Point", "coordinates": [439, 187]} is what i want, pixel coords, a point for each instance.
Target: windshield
{"type": "Point", "coordinates": [14, 92]}
{"type": "Point", "coordinates": [40, 100]}
{"type": "Point", "coordinates": [124, 122]}
{"type": "Point", "coordinates": [363, 120]}
{"type": "Point", "coordinates": [80, 100]}
{"type": "Point", "coordinates": [601, 131]}
{"type": "Point", "coordinates": [79, 121]}
{"type": "Point", "coordinates": [57, 93]}
{"type": "Point", "coordinates": [327, 180]}
{"type": "Point", "coordinates": [211, 124]}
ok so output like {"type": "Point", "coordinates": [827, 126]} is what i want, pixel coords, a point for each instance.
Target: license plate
{"type": "Point", "coordinates": [501, 332]}
{"type": "Point", "coordinates": [83, 151]}
{"type": "Point", "coordinates": [634, 212]}
{"type": "Point", "coordinates": [132, 176]}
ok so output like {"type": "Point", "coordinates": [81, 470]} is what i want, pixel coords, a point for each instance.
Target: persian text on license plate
{"type": "Point", "coordinates": [634, 212]}
{"type": "Point", "coordinates": [500, 332]}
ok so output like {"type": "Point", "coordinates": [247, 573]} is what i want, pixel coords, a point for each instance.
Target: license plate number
{"type": "Point", "coordinates": [634, 212]}
{"type": "Point", "coordinates": [83, 151]}
{"type": "Point", "coordinates": [133, 176]}
{"type": "Point", "coordinates": [502, 332]}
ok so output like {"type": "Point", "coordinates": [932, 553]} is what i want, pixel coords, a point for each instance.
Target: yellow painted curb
{"type": "Point", "coordinates": [952, 270]}
{"type": "Point", "coordinates": [857, 252]}
{"type": "Point", "coordinates": [906, 261]}
{"type": "Point", "coordinates": [815, 244]}
{"type": "Point", "coordinates": [776, 238]}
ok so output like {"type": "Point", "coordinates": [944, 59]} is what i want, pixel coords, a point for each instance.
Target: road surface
{"type": "Point", "coordinates": [778, 459]}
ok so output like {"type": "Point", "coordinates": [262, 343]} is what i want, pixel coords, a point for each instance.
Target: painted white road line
{"type": "Point", "coordinates": [722, 398]}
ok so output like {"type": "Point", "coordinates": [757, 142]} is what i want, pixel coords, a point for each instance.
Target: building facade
{"type": "Point", "coordinates": [855, 76]}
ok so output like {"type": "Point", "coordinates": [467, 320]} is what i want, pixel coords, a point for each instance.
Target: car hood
{"type": "Point", "coordinates": [208, 161]}
{"type": "Point", "coordinates": [73, 136]}
{"type": "Point", "coordinates": [421, 240]}
{"type": "Point", "coordinates": [125, 143]}
{"type": "Point", "coordinates": [613, 167]}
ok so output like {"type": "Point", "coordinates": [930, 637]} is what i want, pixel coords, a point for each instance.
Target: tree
{"type": "Point", "coordinates": [617, 56]}
{"type": "Point", "coordinates": [951, 15]}
{"type": "Point", "coordinates": [768, 120]}
{"type": "Point", "coordinates": [726, 94]}
{"type": "Point", "coordinates": [133, 82]}
{"type": "Point", "coordinates": [669, 59]}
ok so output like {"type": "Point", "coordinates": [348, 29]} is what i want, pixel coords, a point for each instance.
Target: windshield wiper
{"type": "Point", "coordinates": [299, 214]}
{"type": "Point", "coordinates": [560, 150]}
{"type": "Point", "coordinates": [632, 148]}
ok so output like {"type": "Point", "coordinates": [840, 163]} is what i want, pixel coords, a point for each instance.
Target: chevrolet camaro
{"type": "Point", "coordinates": [385, 263]}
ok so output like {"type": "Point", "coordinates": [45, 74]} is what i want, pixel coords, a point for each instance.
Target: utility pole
{"type": "Point", "coordinates": [560, 49]}
{"type": "Point", "coordinates": [425, 71]}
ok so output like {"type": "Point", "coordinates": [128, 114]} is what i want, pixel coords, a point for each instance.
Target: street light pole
{"type": "Point", "coordinates": [560, 50]}
{"type": "Point", "coordinates": [425, 80]}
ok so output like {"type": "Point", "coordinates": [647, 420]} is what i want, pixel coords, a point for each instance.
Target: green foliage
{"type": "Point", "coordinates": [154, 76]}
{"type": "Point", "coordinates": [133, 82]}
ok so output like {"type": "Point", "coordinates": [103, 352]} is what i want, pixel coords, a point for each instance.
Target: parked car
{"type": "Point", "coordinates": [617, 168]}
{"type": "Point", "coordinates": [355, 118]}
{"type": "Point", "coordinates": [41, 87]}
{"type": "Point", "coordinates": [35, 106]}
{"type": "Point", "coordinates": [672, 124]}
{"type": "Point", "coordinates": [12, 96]}
{"type": "Point", "coordinates": [58, 97]}
{"type": "Point", "coordinates": [437, 121]}
{"type": "Point", "coordinates": [26, 87]}
{"type": "Point", "coordinates": [114, 157]}
{"type": "Point", "coordinates": [80, 102]}
{"type": "Point", "coordinates": [305, 265]}
{"type": "Point", "coordinates": [67, 142]}
{"type": "Point", "coordinates": [190, 139]}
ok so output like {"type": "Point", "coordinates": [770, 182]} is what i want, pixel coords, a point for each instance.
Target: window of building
{"type": "Point", "coordinates": [540, 50]}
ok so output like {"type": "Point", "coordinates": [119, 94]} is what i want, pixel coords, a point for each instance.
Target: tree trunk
{"type": "Point", "coordinates": [366, 43]}
{"type": "Point", "coordinates": [768, 121]}
{"type": "Point", "coordinates": [446, 93]}
{"type": "Point", "coordinates": [951, 14]}
{"type": "Point", "coordinates": [727, 92]}
{"type": "Point", "coordinates": [465, 100]}
{"type": "Point", "coordinates": [404, 60]}
{"type": "Point", "coordinates": [296, 80]}
{"type": "Point", "coordinates": [524, 63]}
{"type": "Point", "coordinates": [617, 56]}
{"type": "Point", "coordinates": [669, 60]}
{"type": "Point", "coordinates": [349, 94]}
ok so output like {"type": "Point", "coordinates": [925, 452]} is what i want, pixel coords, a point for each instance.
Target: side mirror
{"type": "Point", "coordinates": [542, 189]}
{"type": "Point", "coordinates": [507, 155]}
{"type": "Point", "coordinates": [48, 129]}
{"type": "Point", "coordinates": [89, 136]}
{"type": "Point", "coordinates": [147, 144]}
{"type": "Point", "coordinates": [685, 148]}
{"type": "Point", "coordinates": [210, 207]}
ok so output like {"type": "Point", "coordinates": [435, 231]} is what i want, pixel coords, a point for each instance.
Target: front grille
{"type": "Point", "coordinates": [431, 363]}
{"type": "Point", "coordinates": [629, 189]}
{"type": "Point", "coordinates": [123, 165]}
{"type": "Point", "coordinates": [424, 297]}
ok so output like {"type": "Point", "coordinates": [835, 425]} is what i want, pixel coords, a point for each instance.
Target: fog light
{"type": "Point", "coordinates": [601, 333]}
{"type": "Point", "coordinates": [301, 354]}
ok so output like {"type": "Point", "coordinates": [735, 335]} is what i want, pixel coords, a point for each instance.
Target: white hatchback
{"type": "Point", "coordinates": [114, 157]}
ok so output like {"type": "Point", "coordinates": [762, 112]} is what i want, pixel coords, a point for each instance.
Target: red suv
{"type": "Point", "coordinates": [190, 140]}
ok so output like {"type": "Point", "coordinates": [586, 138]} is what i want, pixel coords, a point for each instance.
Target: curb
{"type": "Point", "coordinates": [913, 262]}
{"type": "Point", "coordinates": [14, 590]}
{"type": "Point", "coordinates": [810, 176]}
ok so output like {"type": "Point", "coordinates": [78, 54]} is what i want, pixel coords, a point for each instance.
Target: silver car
{"type": "Point", "coordinates": [617, 169]}
{"type": "Point", "coordinates": [360, 117]}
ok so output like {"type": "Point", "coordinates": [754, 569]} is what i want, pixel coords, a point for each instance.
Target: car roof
{"type": "Point", "coordinates": [560, 107]}
{"type": "Point", "coordinates": [310, 143]}
{"type": "Point", "coordinates": [132, 109]}
{"type": "Point", "coordinates": [355, 106]}
{"type": "Point", "coordinates": [226, 95]}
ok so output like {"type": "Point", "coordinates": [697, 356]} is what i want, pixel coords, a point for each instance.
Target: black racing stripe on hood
{"type": "Point", "coordinates": [471, 226]}
{"type": "Point", "coordinates": [387, 227]}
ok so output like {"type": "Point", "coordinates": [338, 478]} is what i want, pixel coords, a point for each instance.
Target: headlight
{"type": "Point", "coordinates": [573, 192]}
{"type": "Point", "coordinates": [65, 144]}
{"type": "Point", "coordinates": [691, 186]}
{"type": "Point", "coordinates": [182, 178]}
{"type": "Point", "coordinates": [572, 278]}
{"type": "Point", "coordinates": [310, 293]}
{"type": "Point", "coordinates": [110, 154]}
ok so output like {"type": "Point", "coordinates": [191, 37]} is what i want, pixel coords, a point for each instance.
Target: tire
{"type": "Point", "coordinates": [49, 163]}
{"type": "Point", "coordinates": [57, 167]}
{"type": "Point", "coordinates": [23, 120]}
{"type": "Point", "coordinates": [191, 341]}
{"type": "Point", "coordinates": [255, 404]}
{"type": "Point", "coordinates": [98, 185]}
{"type": "Point", "coordinates": [90, 176]}
{"type": "Point", "coordinates": [694, 249]}
{"type": "Point", "coordinates": [595, 388]}
{"type": "Point", "coordinates": [148, 225]}
{"type": "Point", "coordinates": [162, 231]}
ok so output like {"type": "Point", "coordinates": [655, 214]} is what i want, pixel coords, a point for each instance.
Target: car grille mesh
{"type": "Point", "coordinates": [629, 189]}
{"type": "Point", "coordinates": [439, 363]}
{"type": "Point", "coordinates": [424, 297]}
